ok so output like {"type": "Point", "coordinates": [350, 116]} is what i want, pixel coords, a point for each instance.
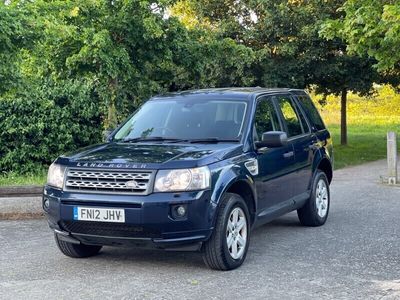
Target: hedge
{"type": "Point", "coordinates": [35, 130]}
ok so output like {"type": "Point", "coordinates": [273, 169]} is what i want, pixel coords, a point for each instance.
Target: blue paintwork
{"type": "Point", "coordinates": [282, 184]}
{"type": "Point", "coordinates": [154, 156]}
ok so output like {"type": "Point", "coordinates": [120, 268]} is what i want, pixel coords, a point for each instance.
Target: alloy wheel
{"type": "Point", "coordinates": [321, 198]}
{"type": "Point", "coordinates": [236, 233]}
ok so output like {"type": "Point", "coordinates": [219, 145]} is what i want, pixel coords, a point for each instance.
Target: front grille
{"type": "Point", "coordinates": [109, 229]}
{"type": "Point", "coordinates": [125, 182]}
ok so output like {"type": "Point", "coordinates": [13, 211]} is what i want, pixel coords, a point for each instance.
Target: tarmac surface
{"type": "Point", "coordinates": [355, 255]}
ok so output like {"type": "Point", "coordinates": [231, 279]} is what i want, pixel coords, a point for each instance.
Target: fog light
{"type": "Point", "coordinates": [181, 211]}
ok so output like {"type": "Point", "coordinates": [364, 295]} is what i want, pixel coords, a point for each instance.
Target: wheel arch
{"type": "Point", "coordinates": [325, 166]}
{"type": "Point", "coordinates": [240, 184]}
{"type": "Point", "coordinates": [244, 189]}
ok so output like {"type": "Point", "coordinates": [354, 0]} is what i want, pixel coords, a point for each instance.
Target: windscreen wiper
{"type": "Point", "coordinates": [212, 140]}
{"type": "Point", "coordinates": [176, 140]}
{"type": "Point", "coordinates": [150, 139]}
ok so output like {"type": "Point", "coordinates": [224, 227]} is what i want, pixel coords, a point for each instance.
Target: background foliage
{"type": "Point", "coordinates": [370, 28]}
{"type": "Point", "coordinates": [46, 123]}
{"type": "Point", "coordinates": [71, 68]}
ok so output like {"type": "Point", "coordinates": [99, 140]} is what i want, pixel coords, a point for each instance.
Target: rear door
{"type": "Point", "coordinates": [302, 140]}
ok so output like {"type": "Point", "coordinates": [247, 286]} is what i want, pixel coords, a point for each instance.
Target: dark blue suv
{"type": "Point", "coordinates": [195, 170]}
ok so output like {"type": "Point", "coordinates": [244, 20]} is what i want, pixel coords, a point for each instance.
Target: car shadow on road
{"type": "Point", "coordinates": [151, 257]}
{"type": "Point", "coordinates": [285, 221]}
{"type": "Point", "coordinates": [157, 258]}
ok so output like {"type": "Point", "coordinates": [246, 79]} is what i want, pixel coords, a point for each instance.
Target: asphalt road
{"type": "Point", "coordinates": [356, 255]}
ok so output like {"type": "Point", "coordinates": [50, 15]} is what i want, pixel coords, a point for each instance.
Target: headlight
{"type": "Point", "coordinates": [182, 180]}
{"type": "Point", "coordinates": [55, 176]}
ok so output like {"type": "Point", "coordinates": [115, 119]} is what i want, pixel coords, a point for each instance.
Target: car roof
{"type": "Point", "coordinates": [231, 92]}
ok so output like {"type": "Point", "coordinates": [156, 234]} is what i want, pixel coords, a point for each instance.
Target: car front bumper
{"type": "Point", "coordinates": [148, 219]}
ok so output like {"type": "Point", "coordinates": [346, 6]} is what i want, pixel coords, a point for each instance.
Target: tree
{"type": "Point", "coordinates": [130, 50]}
{"type": "Point", "coordinates": [343, 73]}
{"type": "Point", "coordinates": [289, 49]}
{"type": "Point", "coordinates": [80, 66]}
{"type": "Point", "coordinates": [372, 28]}
{"type": "Point", "coordinates": [16, 33]}
{"type": "Point", "coordinates": [125, 49]}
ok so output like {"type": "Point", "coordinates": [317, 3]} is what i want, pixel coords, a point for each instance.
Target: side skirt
{"type": "Point", "coordinates": [271, 213]}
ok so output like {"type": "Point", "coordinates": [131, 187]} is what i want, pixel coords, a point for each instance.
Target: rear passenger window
{"type": "Point", "coordinates": [290, 115]}
{"type": "Point", "coordinates": [312, 112]}
{"type": "Point", "coordinates": [306, 128]}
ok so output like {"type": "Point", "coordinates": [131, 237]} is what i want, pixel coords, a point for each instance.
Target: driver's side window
{"type": "Point", "coordinates": [266, 118]}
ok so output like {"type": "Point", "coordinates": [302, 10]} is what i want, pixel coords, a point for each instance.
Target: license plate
{"type": "Point", "coordinates": [99, 214]}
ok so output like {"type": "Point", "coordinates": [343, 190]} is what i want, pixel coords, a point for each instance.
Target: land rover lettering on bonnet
{"type": "Point", "coordinates": [194, 171]}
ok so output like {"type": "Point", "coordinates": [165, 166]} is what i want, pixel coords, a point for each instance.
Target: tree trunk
{"type": "Point", "coordinates": [111, 116]}
{"type": "Point", "coordinates": [112, 120]}
{"type": "Point", "coordinates": [343, 118]}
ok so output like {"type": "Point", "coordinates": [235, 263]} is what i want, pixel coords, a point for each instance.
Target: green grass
{"type": "Point", "coordinates": [12, 178]}
{"type": "Point", "coordinates": [365, 143]}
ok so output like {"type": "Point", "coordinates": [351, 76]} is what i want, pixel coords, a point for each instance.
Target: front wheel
{"type": "Point", "coordinates": [315, 211]}
{"type": "Point", "coordinates": [227, 247]}
{"type": "Point", "coordinates": [76, 250]}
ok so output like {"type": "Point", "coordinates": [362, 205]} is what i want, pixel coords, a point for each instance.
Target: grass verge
{"type": "Point", "coordinates": [366, 143]}
{"type": "Point", "coordinates": [13, 178]}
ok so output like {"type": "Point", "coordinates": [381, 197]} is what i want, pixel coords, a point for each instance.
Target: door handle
{"type": "Point", "coordinates": [311, 147]}
{"type": "Point", "coordinates": [288, 154]}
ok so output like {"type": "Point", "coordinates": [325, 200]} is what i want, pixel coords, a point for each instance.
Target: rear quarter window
{"type": "Point", "coordinates": [311, 112]}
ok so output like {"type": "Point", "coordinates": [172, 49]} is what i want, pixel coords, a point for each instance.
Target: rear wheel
{"type": "Point", "coordinates": [315, 211]}
{"type": "Point", "coordinates": [228, 245]}
{"type": "Point", "coordinates": [76, 250]}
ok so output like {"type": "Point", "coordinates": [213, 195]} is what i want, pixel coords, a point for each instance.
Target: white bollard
{"type": "Point", "coordinates": [392, 157]}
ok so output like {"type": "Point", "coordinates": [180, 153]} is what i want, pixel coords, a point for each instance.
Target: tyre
{"type": "Point", "coordinates": [227, 247]}
{"type": "Point", "coordinates": [76, 250]}
{"type": "Point", "coordinates": [315, 210]}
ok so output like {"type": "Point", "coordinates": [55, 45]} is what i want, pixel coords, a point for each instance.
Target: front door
{"type": "Point", "coordinates": [273, 183]}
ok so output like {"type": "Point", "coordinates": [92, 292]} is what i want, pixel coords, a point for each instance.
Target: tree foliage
{"type": "Point", "coordinates": [289, 49]}
{"type": "Point", "coordinates": [370, 28]}
{"type": "Point", "coordinates": [17, 31]}
{"type": "Point", "coordinates": [71, 68]}
{"type": "Point", "coordinates": [44, 123]}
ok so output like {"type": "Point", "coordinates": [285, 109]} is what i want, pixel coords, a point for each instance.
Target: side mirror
{"type": "Point", "coordinates": [272, 139]}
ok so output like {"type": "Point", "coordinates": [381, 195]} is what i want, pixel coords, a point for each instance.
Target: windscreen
{"type": "Point", "coordinates": [186, 119]}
